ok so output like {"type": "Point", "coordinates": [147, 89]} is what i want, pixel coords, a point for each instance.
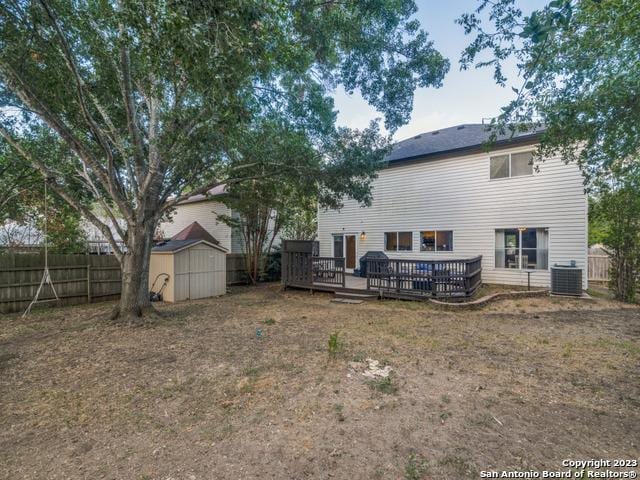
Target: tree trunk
{"type": "Point", "coordinates": [134, 296]}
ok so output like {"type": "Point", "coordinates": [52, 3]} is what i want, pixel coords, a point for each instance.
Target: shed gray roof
{"type": "Point", "coordinates": [453, 139]}
{"type": "Point", "coordinates": [173, 245]}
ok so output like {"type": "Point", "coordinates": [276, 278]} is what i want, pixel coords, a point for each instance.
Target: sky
{"type": "Point", "coordinates": [465, 97]}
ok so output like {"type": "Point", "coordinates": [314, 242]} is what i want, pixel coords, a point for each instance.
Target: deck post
{"type": "Point", "coordinates": [368, 274]}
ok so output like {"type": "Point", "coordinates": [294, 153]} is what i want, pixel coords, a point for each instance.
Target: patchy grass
{"type": "Point", "coordinates": [384, 385]}
{"type": "Point", "coordinates": [520, 384]}
{"type": "Point", "coordinates": [415, 468]}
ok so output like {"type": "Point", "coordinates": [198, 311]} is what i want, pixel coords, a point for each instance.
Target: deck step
{"type": "Point", "coordinates": [346, 300]}
{"type": "Point", "coordinates": [356, 296]}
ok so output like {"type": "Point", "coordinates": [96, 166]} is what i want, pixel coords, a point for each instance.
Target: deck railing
{"type": "Point", "coordinates": [329, 270]}
{"type": "Point", "coordinates": [439, 278]}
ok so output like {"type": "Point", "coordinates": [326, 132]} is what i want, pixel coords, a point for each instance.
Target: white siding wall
{"type": "Point", "coordinates": [457, 194]}
{"type": "Point", "coordinates": [206, 214]}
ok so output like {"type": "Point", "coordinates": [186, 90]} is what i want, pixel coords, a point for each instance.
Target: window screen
{"type": "Point", "coordinates": [405, 241]}
{"type": "Point", "coordinates": [391, 241]}
{"type": "Point", "coordinates": [444, 240]}
{"type": "Point", "coordinates": [499, 166]}
{"type": "Point", "coordinates": [521, 164]}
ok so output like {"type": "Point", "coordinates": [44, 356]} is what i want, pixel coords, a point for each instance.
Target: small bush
{"type": "Point", "coordinates": [415, 468]}
{"type": "Point", "coordinates": [334, 346]}
{"type": "Point", "coordinates": [384, 385]}
{"type": "Point", "coordinates": [269, 321]}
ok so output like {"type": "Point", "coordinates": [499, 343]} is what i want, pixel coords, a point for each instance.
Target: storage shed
{"type": "Point", "coordinates": [196, 267]}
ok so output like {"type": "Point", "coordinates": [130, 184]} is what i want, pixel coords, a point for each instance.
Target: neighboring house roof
{"type": "Point", "coordinates": [174, 246]}
{"type": "Point", "coordinates": [214, 192]}
{"type": "Point", "coordinates": [460, 138]}
{"type": "Point", "coordinates": [195, 231]}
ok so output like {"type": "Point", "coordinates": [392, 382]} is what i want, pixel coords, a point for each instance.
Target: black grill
{"type": "Point", "coordinates": [370, 256]}
{"type": "Point", "coordinates": [566, 280]}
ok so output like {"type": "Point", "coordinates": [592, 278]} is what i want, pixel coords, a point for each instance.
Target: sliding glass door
{"type": "Point", "coordinates": [522, 248]}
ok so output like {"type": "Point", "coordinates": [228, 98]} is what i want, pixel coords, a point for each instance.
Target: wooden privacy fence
{"type": "Point", "coordinates": [599, 266]}
{"type": "Point", "coordinates": [236, 269]}
{"type": "Point", "coordinates": [297, 262]}
{"type": "Point", "coordinates": [76, 278]}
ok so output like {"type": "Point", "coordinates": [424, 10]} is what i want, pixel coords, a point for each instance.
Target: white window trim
{"type": "Point", "coordinates": [519, 269]}
{"type": "Point", "coordinates": [453, 243]}
{"type": "Point", "coordinates": [496, 154]}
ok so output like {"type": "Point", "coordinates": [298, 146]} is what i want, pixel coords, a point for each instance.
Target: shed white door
{"type": "Point", "coordinates": [207, 271]}
{"type": "Point", "coordinates": [200, 273]}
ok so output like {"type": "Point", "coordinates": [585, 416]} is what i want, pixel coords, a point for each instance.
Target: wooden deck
{"type": "Point", "coordinates": [410, 279]}
{"type": "Point", "coordinates": [350, 283]}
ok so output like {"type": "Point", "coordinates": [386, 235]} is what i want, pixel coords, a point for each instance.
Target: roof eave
{"type": "Point", "coordinates": [506, 143]}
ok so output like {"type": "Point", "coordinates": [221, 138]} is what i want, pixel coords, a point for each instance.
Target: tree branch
{"type": "Point", "coordinates": [74, 203]}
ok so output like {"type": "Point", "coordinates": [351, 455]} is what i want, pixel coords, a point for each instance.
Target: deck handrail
{"type": "Point", "coordinates": [329, 270]}
{"type": "Point", "coordinates": [417, 277]}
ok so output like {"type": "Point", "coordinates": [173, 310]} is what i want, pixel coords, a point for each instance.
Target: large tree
{"type": "Point", "coordinates": [617, 211]}
{"type": "Point", "coordinates": [146, 95]}
{"type": "Point", "coordinates": [327, 169]}
{"type": "Point", "coordinates": [578, 65]}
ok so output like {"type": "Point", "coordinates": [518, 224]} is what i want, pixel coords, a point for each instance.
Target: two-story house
{"type": "Point", "coordinates": [442, 195]}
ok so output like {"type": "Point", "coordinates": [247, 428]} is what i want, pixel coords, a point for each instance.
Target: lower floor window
{"type": "Point", "coordinates": [522, 248]}
{"type": "Point", "coordinates": [436, 241]}
{"type": "Point", "coordinates": [398, 241]}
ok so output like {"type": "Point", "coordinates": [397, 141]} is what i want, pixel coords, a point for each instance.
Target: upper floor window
{"type": "Point", "coordinates": [436, 241]}
{"type": "Point", "coordinates": [398, 241]}
{"type": "Point", "coordinates": [511, 165]}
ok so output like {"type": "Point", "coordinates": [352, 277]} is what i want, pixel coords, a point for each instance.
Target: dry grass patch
{"type": "Point", "coordinates": [519, 384]}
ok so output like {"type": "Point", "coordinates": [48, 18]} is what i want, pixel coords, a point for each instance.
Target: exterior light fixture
{"type": "Point", "coordinates": [363, 235]}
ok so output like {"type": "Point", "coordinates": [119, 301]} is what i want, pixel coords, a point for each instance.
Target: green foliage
{"type": "Point", "coordinates": [22, 194]}
{"type": "Point", "coordinates": [302, 221]}
{"type": "Point", "coordinates": [157, 101]}
{"type": "Point", "coordinates": [580, 72]}
{"type": "Point", "coordinates": [597, 227]}
{"type": "Point", "coordinates": [273, 268]}
{"type": "Point", "coordinates": [384, 385]}
{"type": "Point", "coordinates": [415, 468]}
{"type": "Point", "coordinates": [334, 346]}
{"type": "Point", "coordinates": [342, 164]}
{"type": "Point", "coordinates": [618, 211]}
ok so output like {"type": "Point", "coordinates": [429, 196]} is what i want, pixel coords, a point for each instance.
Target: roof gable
{"type": "Point", "coordinates": [174, 246]}
{"type": "Point", "coordinates": [195, 231]}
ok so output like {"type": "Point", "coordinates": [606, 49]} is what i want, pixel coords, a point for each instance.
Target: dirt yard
{"type": "Point", "coordinates": [247, 387]}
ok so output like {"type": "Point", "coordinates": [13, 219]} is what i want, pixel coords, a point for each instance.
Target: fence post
{"type": "Point", "coordinates": [88, 280]}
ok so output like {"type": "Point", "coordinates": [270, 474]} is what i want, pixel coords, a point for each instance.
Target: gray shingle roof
{"type": "Point", "coordinates": [451, 139]}
{"type": "Point", "coordinates": [173, 245]}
